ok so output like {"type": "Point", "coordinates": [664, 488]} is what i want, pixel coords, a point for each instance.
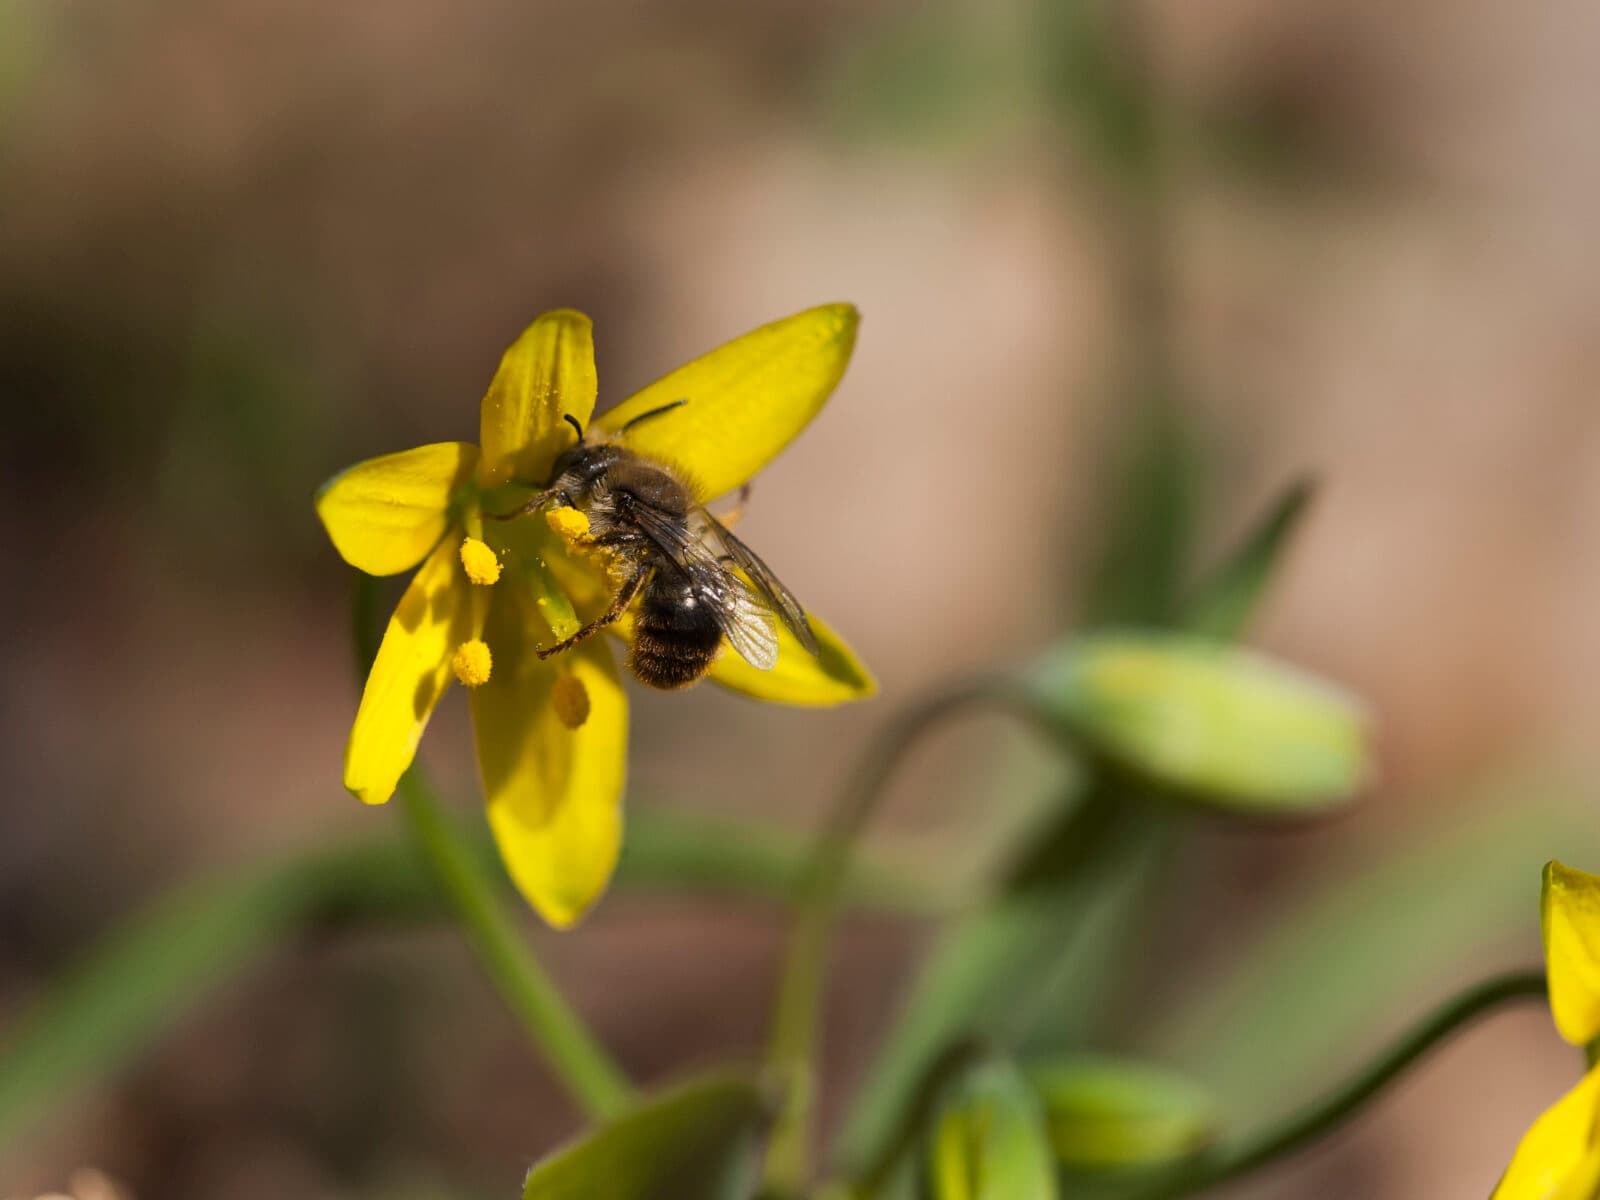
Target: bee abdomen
{"type": "Point", "coordinates": [675, 638]}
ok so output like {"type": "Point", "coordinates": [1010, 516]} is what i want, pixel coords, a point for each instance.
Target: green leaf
{"type": "Point", "coordinates": [941, 76]}
{"type": "Point", "coordinates": [1396, 917]}
{"type": "Point", "coordinates": [1230, 726]}
{"type": "Point", "coordinates": [1224, 602]}
{"type": "Point", "coordinates": [696, 1142]}
{"type": "Point", "coordinates": [987, 1140]}
{"type": "Point", "coordinates": [1141, 564]}
{"type": "Point", "coordinates": [30, 31]}
{"type": "Point", "coordinates": [1105, 1113]}
{"type": "Point", "coordinates": [1090, 73]}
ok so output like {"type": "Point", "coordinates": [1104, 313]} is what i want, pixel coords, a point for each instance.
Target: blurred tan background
{"type": "Point", "coordinates": [243, 245]}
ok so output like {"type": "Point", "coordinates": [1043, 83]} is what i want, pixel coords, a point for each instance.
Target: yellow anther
{"type": "Point", "coordinates": [568, 522]}
{"type": "Point", "coordinates": [570, 699]}
{"type": "Point", "coordinates": [479, 561]}
{"type": "Point", "coordinates": [472, 663]}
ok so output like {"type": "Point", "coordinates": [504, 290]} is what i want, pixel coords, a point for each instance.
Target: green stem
{"type": "Point", "coordinates": [1321, 1118]}
{"type": "Point", "coordinates": [794, 1031]}
{"type": "Point", "coordinates": [581, 1063]}
{"type": "Point", "coordinates": [583, 1066]}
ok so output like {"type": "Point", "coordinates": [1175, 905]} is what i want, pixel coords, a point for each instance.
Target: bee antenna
{"type": "Point", "coordinates": [573, 421]}
{"type": "Point", "coordinates": [654, 412]}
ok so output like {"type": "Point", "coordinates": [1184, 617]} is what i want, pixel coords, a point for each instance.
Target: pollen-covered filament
{"type": "Point", "coordinates": [479, 562]}
{"type": "Point", "coordinates": [472, 663]}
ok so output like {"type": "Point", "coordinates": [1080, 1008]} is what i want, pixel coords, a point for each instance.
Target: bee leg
{"type": "Point", "coordinates": [619, 605]}
{"type": "Point", "coordinates": [736, 514]}
{"type": "Point", "coordinates": [533, 505]}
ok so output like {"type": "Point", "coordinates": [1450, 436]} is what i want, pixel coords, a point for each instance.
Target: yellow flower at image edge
{"type": "Point", "coordinates": [1559, 1157]}
{"type": "Point", "coordinates": [551, 734]}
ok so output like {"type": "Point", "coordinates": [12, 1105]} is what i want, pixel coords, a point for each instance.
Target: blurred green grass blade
{"type": "Point", "coordinates": [1089, 73]}
{"type": "Point", "coordinates": [148, 972]}
{"type": "Point", "coordinates": [987, 1140]}
{"type": "Point", "coordinates": [1143, 560]}
{"type": "Point", "coordinates": [27, 41]}
{"type": "Point", "coordinates": [942, 75]}
{"type": "Point", "coordinates": [1076, 987]}
{"type": "Point", "coordinates": [695, 1142]}
{"type": "Point", "coordinates": [1224, 602]}
{"type": "Point", "coordinates": [985, 965]}
{"type": "Point", "coordinates": [152, 968]}
{"type": "Point", "coordinates": [1398, 919]}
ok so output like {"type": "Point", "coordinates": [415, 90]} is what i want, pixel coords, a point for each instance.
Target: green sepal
{"type": "Point", "coordinates": [1105, 1113]}
{"type": "Point", "coordinates": [987, 1139]}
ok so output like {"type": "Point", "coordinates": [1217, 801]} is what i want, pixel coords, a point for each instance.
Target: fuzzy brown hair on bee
{"type": "Point", "coordinates": [695, 583]}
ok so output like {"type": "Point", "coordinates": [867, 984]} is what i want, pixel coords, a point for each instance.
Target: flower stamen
{"type": "Point", "coordinates": [472, 663]}
{"type": "Point", "coordinates": [479, 562]}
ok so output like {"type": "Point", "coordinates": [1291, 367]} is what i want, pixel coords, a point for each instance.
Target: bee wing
{"type": "Point", "coordinates": [747, 623]}
{"type": "Point", "coordinates": [779, 598]}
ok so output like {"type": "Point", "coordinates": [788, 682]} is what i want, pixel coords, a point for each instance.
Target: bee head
{"type": "Point", "coordinates": [583, 461]}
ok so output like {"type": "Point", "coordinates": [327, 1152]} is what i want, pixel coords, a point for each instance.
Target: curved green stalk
{"type": "Point", "coordinates": [792, 1046]}
{"type": "Point", "coordinates": [1321, 1118]}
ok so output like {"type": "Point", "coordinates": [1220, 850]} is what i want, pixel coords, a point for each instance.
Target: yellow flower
{"type": "Point", "coordinates": [551, 736]}
{"type": "Point", "coordinates": [1559, 1157]}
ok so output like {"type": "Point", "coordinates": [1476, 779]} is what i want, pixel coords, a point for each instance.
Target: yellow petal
{"type": "Point", "coordinates": [554, 793]}
{"type": "Point", "coordinates": [1570, 907]}
{"type": "Point", "coordinates": [746, 400]}
{"type": "Point", "coordinates": [836, 676]}
{"type": "Point", "coordinates": [409, 675]}
{"type": "Point", "coordinates": [546, 374]}
{"type": "Point", "coordinates": [1557, 1158]}
{"type": "Point", "coordinates": [1584, 1182]}
{"type": "Point", "coordinates": [385, 514]}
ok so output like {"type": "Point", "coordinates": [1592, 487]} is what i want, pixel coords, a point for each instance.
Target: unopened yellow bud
{"type": "Point", "coordinates": [570, 699]}
{"type": "Point", "coordinates": [472, 663]}
{"type": "Point", "coordinates": [568, 522]}
{"type": "Point", "coordinates": [479, 561]}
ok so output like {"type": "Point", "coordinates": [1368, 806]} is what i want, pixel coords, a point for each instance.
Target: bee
{"type": "Point", "coordinates": [679, 561]}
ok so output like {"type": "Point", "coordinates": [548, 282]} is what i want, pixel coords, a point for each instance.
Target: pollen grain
{"type": "Point", "coordinates": [479, 561]}
{"type": "Point", "coordinates": [568, 522]}
{"type": "Point", "coordinates": [472, 663]}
